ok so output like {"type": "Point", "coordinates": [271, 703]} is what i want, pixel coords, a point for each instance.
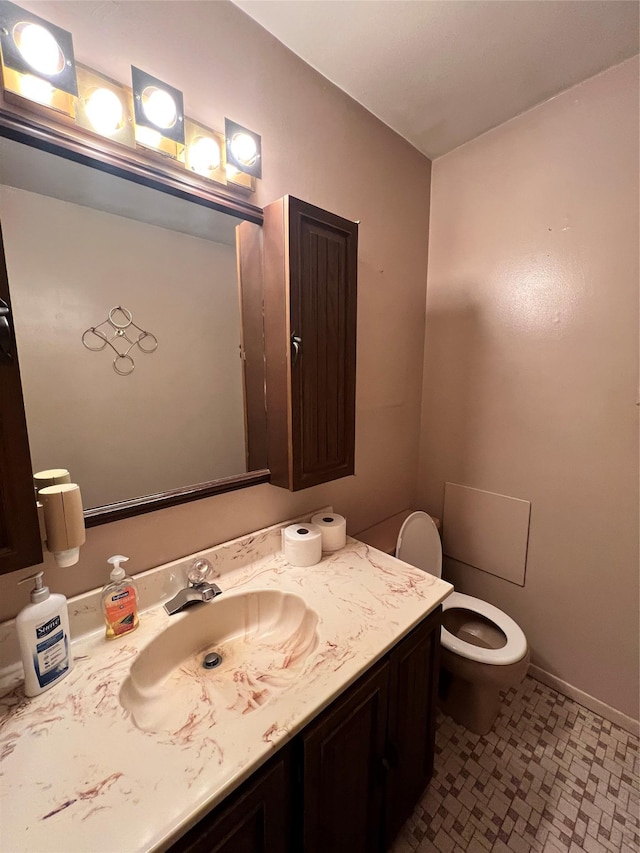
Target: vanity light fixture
{"type": "Point", "coordinates": [244, 149]}
{"type": "Point", "coordinates": [39, 73]}
{"type": "Point", "coordinates": [104, 107]}
{"type": "Point", "coordinates": [37, 59]}
{"type": "Point", "coordinates": [240, 179]}
{"type": "Point", "coordinates": [158, 114]}
{"type": "Point", "coordinates": [204, 152]}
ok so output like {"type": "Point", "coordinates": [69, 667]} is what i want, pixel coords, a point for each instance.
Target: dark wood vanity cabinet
{"type": "Point", "coordinates": [349, 780]}
{"type": "Point", "coordinates": [343, 778]}
{"type": "Point", "coordinates": [369, 757]}
{"type": "Point", "coordinates": [19, 531]}
{"type": "Point", "coordinates": [256, 819]}
{"type": "Point", "coordinates": [413, 693]}
{"type": "Point", "coordinates": [310, 272]}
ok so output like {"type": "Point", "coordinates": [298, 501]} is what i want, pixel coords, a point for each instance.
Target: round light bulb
{"type": "Point", "coordinates": [105, 112]}
{"type": "Point", "coordinates": [159, 107]}
{"type": "Point", "coordinates": [38, 48]}
{"type": "Point", "coordinates": [204, 155]}
{"type": "Point", "coordinates": [244, 148]}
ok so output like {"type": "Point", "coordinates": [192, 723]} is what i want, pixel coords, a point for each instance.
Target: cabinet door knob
{"type": "Point", "coordinates": [5, 332]}
{"type": "Point", "coordinates": [296, 348]}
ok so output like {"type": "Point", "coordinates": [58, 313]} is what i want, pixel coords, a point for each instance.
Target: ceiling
{"type": "Point", "coordinates": [441, 72]}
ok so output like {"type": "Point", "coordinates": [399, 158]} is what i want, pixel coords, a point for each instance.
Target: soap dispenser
{"type": "Point", "coordinates": [43, 634]}
{"type": "Point", "coordinates": [120, 600]}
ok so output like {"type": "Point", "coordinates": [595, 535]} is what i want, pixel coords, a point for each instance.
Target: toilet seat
{"type": "Point", "coordinates": [419, 545]}
{"type": "Point", "coordinates": [514, 649]}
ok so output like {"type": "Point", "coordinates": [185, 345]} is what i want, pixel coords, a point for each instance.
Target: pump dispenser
{"type": "Point", "coordinates": [120, 600]}
{"type": "Point", "coordinates": [43, 634]}
{"type": "Point", "coordinates": [117, 573]}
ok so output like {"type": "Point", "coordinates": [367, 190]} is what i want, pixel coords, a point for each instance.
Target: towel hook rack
{"type": "Point", "coordinates": [118, 323]}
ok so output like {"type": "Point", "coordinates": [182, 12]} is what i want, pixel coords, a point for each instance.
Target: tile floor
{"type": "Point", "coordinates": [551, 776]}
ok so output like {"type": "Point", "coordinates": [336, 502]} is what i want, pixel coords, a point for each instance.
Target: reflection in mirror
{"type": "Point", "coordinates": [80, 242]}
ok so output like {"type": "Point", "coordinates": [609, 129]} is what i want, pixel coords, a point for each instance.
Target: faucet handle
{"type": "Point", "coordinates": [200, 571]}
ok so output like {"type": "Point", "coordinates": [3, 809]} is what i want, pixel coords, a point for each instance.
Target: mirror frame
{"type": "Point", "coordinates": [159, 174]}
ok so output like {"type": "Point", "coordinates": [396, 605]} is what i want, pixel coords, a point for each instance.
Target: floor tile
{"type": "Point", "coordinates": [551, 777]}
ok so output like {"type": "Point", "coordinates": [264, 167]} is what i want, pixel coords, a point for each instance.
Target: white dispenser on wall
{"type": "Point", "coordinates": [43, 634]}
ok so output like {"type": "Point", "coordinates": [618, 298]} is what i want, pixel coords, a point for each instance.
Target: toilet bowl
{"type": "Point", "coordinates": [483, 651]}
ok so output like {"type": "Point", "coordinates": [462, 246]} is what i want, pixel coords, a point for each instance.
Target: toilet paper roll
{"type": "Point", "coordinates": [63, 517]}
{"type": "Point", "coordinates": [333, 528]}
{"type": "Point", "coordinates": [302, 544]}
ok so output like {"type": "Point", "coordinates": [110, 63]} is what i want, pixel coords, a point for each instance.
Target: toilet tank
{"type": "Point", "coordinates": [419, 544]}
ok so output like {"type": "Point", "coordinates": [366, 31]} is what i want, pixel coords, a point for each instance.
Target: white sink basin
{"type": "Point", "coordinates": [264, 638]}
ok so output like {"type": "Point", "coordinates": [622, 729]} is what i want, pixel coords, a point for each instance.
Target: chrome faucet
{"type": "Point", "coordinates": [199, 588]}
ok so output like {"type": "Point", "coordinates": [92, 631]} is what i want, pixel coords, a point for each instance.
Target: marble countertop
{"type": "Point", "coordinates": [77, 773]}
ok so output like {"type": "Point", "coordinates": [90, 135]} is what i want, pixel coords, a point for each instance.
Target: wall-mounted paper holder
{"type": "Point", "coordinates": [60, 515]}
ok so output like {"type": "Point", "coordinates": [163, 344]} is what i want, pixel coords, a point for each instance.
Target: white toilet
{"type": "Point", "coordinates": [483, 651]}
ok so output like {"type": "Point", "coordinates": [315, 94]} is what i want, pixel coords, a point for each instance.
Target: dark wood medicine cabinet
{"type": "Point", "coordinates": [308, 350]}
{"type": "Point", "coordinates": [310, 271]}
{"type": "Point", "coordinates": [19, 530]}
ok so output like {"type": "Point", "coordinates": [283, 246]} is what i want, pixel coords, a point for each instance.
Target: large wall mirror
{"type": "Point", "coordinates": [166, 423]}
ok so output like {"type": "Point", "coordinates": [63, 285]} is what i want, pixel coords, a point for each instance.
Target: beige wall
{"type": "Point", "coordinates": [322, 147]}
{"type": "Point", "coordinates": [531, 358]}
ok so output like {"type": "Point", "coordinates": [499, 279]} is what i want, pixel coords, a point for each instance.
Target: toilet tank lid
{"type": "Point", "coordinates": [419, 544]}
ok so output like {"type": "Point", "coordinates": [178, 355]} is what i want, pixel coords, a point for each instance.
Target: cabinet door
{"type": "Point", "coordinates": [310, 266]}
{"type": "Point", "coordinates": [412, 716]}
{"type": "Point", "coordinates": [343, 774]}
{"type": "Point", "coordinates": [250, 286]}
{"type": "Point", "coordinates": [19, 532]}
{"type": "Point", "coordinates": [256, 819]}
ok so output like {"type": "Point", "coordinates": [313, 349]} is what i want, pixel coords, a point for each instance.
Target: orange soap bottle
{"type": "Point", "coordinates": [120, 601]}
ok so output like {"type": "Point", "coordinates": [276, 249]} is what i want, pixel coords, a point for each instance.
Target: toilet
{"type": "Point", "coordinates": [482, 650]}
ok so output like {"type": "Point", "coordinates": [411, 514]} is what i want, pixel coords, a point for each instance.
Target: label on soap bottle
{"type": "Point", "coordinates": [121, 611]}
{"type": "Point", "coordinates": [51, 658]}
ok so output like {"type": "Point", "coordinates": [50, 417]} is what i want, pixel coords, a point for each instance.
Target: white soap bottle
{"type": "Point", "coordinates": [43, 634]}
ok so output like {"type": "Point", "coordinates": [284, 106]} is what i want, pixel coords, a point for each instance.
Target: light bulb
{"type": "Point", "coordinates": [39, 49]}
{"type": "Point", "coordinates": [159, 107]}
{"type": "Point", "coordinates": [105, 112]}
{"type": "Point", "coordinates": [204, 155]}
{"type": "Point", "coordinates": [244, 148]}
{"type": "Point", "coordinates": [35, 89]}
